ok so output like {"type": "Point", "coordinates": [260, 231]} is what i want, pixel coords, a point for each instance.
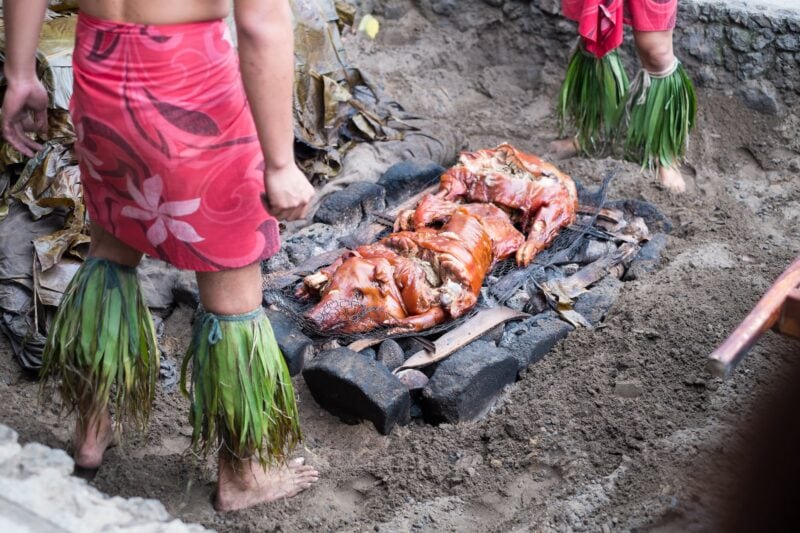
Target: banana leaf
{"type": "Point", "coordinates": [346, 14]}
{"type": "Point", "coordinates": [335, 105]}
{"type": "Point", "coordinates": [51, 284]}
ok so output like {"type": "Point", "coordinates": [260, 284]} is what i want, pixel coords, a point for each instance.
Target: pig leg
{"type": "Point", "coordinates": [433, 209]}
{"type": "Point", "coordinates": [549, 219]}
{"type": "Point", "coordinates": [404, 221]}
{"type": "Point", "coordinates": [428, 319]}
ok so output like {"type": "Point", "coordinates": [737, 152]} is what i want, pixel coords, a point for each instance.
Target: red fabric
{"type": "Point", "coordinates": [169, 157]}
{"type": "Point", "coordinates": [600, 21]}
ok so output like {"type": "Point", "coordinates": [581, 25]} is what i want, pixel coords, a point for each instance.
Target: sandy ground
{"type": "Point", "coordinates": [564, 450]}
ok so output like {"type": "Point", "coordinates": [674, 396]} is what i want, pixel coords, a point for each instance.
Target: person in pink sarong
{"type": "Point", "coordinates": [600, 25]}
{"type": "Point", "coordinates": [186, 152]}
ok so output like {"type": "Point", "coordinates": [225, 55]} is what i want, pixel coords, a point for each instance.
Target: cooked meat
{"type": "Point", "coordinates": [433, 266]}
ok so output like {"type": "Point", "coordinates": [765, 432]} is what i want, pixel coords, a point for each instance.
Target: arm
{"type": "Point", "coordinates": [25, 102]}
{"type": "Point", "coordinates": [266, 56]}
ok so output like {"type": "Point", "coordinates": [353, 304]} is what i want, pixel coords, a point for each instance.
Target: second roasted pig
{"type": "Point", "coordinates": [539, 198]}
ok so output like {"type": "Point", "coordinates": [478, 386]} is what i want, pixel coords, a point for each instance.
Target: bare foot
{"type": "Point", "coordinates": [563, 148]}
{"type": "Point", "coordinates": [244, 484]}
{"type": "Point", "coordinates": [92, 438]}
{"type": "Point", "coordinates": [671, 179]}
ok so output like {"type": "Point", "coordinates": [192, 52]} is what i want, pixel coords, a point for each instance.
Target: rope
{"type": "Point", "coordinates": [645, 78]}
{"type": "Point", "coordinates": [212, 320]}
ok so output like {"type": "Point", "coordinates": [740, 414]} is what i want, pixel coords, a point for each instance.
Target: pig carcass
{"type": "Point", "coordinates": [432, 267]}
{"type": "Point", "coordinates": [539, 198]}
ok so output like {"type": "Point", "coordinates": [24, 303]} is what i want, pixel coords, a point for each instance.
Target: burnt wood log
{"type": "Point", "coordinates": [355, 388]}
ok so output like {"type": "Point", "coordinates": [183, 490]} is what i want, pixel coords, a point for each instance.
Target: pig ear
{"type": "Point", "coordinates": [382, 275]}
{"type": "Point", "coordinates": [347, 254]}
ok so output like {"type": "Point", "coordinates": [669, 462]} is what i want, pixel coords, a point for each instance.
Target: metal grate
{"type": "Point", "coordinates": [500, 285]}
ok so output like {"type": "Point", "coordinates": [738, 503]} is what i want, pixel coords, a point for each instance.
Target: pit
{"type": "Point", "coordinates": [454, 371]}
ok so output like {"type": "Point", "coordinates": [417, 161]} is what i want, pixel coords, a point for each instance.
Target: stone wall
{"type": "Point", "coordinates": [751, 50]}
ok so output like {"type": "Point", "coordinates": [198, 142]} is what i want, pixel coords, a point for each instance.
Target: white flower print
{"type": "Point", "coordinates": [149, 208]}
{"type": "Point", "coordinates": [85, 156]}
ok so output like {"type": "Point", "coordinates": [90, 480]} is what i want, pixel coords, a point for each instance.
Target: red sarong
{"type": "Point", "coordinates": [169, 157]}
{"type": "Point", "coordinates": [600, 21]}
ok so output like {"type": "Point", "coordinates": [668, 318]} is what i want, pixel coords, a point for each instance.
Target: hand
{"type": "Point", "coordinates": [289, 193]}
{"type": "Point", "coordinates": [24, 110]}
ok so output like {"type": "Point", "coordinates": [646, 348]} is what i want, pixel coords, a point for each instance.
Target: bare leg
{"type": "Point", "coordinates": [94, 434]}
{"type": "Point", "coordinates": [654, 49]}
{"type": "Point", "coordinates": [244, 483]}
{"type": "Point", "coordinates": [656, 55]}
{"type": "Point", "coordinates": [563, 148]}
{"type": "Point", "coordinates": [92, 437]}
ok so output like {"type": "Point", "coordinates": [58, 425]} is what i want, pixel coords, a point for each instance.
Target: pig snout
{"type": "Point", "coordinates": [336, 310]}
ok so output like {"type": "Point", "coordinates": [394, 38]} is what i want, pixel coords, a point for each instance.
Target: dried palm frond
{"type": "Point", "coordinates": [241, 392]}
{"type": "Point", "coordinates": [660, 113]}
{"type": "Point", "coordinates": [593, 91]}
{"type": "Point", "coordinates": [102, 344]}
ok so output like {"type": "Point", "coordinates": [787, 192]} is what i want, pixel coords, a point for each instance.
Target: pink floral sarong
{"type": "Point", "coordinates": [600, 21]}
{"type": "Point", "coordinates": [169, 157]}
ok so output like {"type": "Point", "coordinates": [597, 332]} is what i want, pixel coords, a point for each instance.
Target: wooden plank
{"type": "Point", "coordinates": [362, 344]}
{"type": "Point", "coordinates": [764, 316]}
{"type": "Point", "coordinates": [462, 335]}
{"type": "Point", "coordinates": [789, 322]}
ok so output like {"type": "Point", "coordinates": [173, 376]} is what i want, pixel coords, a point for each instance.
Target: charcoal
{"type": "Point", "coordinates": [296, 347]}
{"type": "Point", "coordinates": [648, 259]}
{"type": "Point", "coordinates": [595, 304]}
{"type": "Point", "coordinates": [407, 177]}
{"type": "Point", "coordinates": [355, 387]}
{"type": "Point", "coordinates": [531, 339]}
{"type": "Point", "coordinates": [348, 206]}
{"type": "Point", "coordinates": [468, 382]}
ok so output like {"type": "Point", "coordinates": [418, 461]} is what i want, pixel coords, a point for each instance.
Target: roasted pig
{"type": "Point", "coordinates": [433, 266]}
{"type": "Point", "coordinates": [410, 280]}
{"type": "Point", "coordinates": [539, 198]}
